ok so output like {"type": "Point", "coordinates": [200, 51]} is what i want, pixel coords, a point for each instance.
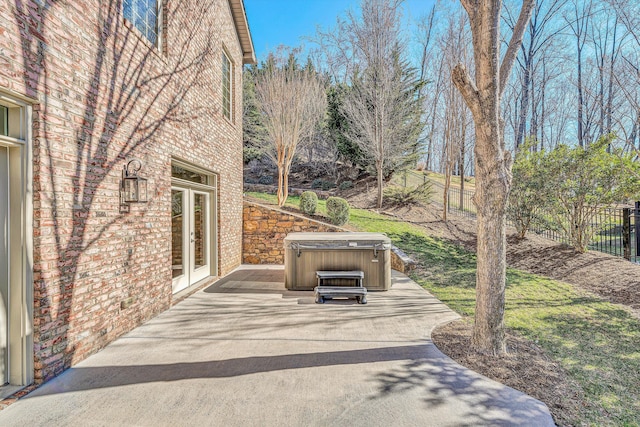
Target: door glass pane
{"type": "Point", "coordinates": [187, 175]}
{"type": "Point", "coordinates": [177, 232]}
{"type": "Point", "coordinates": [200, 229]}
{"type": "Point", "coordinates": [4, 121]}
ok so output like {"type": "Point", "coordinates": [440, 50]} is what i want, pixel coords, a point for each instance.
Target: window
{"type": "Point", "coordinates": [226, 86]}
{"type": "Point", "coordinates": [4, 121]}
{"type": "Point", "coordinates": [188, 175]}
{"type": "Point", "coordinates": [145, 16]}
{"type": "Point", "coordinates": [12, 119]}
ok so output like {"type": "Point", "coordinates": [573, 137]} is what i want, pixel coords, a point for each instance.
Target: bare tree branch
{"type": "Point", "coordinates": [466, 86]}
{"type": "Point", "coordinates": [515, 43]}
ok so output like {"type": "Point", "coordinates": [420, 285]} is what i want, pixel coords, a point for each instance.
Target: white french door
{"type": "Point", "coordinates": [16, 245]}
{"type": "Point", "coordinates": [4, 265]}
{"type": "Point", "coordinates": [191, 235]}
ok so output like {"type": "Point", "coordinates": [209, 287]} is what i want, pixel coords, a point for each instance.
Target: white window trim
{"type": "Point", "coordinates": [159, 26]}
{"type": "Point", "coordinates": [231, 117]}
{"type": "Point", "coordinates": [19, 143]}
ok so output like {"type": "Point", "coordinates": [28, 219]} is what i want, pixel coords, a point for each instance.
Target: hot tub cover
{"type": "Point", "coordinates": [338, 240]}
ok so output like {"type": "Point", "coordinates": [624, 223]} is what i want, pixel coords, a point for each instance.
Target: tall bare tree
{"type": "Point", "coordinates": [492, 160]}
{"type": "Point", "coordinates": [455, 50]}
{"type": "Point", "coordinates": [426, 35]}
{"type": "Point", "coordinates": [383, 105]}
{"type": "Point", "coordinates": [607, 42]}
{"type": "Point", "coordinates": [292, 100]}
{"type": "Point", "coordinates": [542, 29]}
{"type": "Point", "coordinates": [627, 76]}
{"type": "Point", "coordinates": [579, 23]}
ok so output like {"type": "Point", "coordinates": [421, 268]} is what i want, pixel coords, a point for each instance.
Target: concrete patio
{"type": "Point", "coordinates": [247, 352]}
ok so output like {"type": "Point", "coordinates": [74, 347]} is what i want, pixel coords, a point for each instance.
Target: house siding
{"type": "Point", "coordinates": [102, 96]}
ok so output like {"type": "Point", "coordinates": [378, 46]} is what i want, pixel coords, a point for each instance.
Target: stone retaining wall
{"type": "Point", "coordinates": [264, 230]}
{"type": "Point", "coordinates": [265, 227]}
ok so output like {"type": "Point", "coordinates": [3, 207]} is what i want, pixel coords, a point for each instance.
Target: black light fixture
{"type": "Point", "coordinates": [134, 187]}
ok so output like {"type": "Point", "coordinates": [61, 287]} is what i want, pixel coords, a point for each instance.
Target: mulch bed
{"type": "Point", "coordinates": [525, 367]}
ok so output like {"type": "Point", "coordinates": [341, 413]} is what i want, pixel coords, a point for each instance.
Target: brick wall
{"type": "Point", "coordinates": [102, 94]}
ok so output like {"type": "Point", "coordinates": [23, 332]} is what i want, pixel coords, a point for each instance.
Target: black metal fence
{"type": "Point", "coordinates": [409, 178]}
{"type": "Point", "coordinates": [618, 232]}
{"type": "Point", "coordinates": [461, 203]}
{"type": "Point", "coordinates": [617, 229]}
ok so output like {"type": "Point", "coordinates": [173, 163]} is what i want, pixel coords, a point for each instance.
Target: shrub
{"type": "Point", "coordinates": [322, 184]}
{"type": "Point", "coordinates": [265, 179]}
{"type": "Point", "coordinates": [526, 197]}
{"type": "Point", "coordinates": [337, 210]}
{"type": "Point", "coordinates": [308, 202]}
{"type": "Point", "coordinates": [251, 153]}
{"type": "Point", "coordinates": [402, 196]}
{"type": "Point", "coordinates": [345, 185]}
{"type": "Point", "coordinates": [579, 182]}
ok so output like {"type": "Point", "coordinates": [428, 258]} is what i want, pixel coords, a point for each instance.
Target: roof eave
{"type": "Point", "coordinates": [242, 30]}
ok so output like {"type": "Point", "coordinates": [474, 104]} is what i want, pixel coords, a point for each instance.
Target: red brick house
{"type": "Point", "coordinates": [87, 88]}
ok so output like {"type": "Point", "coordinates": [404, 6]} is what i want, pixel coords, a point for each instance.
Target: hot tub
{"type": "Point", "coordinates": [306, 253]}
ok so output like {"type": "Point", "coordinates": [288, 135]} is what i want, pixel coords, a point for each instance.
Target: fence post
{"type": "Point", "coordinates": [626, 233]}
{"type": "Point", "coordinates": [636, 226]}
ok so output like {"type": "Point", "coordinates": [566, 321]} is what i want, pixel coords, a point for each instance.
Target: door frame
{"type": "Point", "coordinates": [189, 188]}
{"type": "Point", "coordinates": [202, 272]}
{"type": "Point", "coordinates": [20, 242]}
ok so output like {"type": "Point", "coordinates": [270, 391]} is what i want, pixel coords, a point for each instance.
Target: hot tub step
{"type": "Point", "coordinates": [328, 292]}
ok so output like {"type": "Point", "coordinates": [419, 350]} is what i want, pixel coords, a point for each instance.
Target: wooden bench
{"type": "Point", "coordinates": [358, 291]}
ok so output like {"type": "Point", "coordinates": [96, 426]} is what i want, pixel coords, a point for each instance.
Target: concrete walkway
{"type": "Point", "coordinates": [246, 352]}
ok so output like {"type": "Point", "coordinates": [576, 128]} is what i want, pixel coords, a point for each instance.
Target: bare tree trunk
{"type": "Point", "coordinates": [533, 129]}
{"type": "Point", "coordinates": [380, 173]}
{"type": "Point", "coordinates": [543, 105]}
{"type": "Point", "coordinates": [445, 193]}
{"type": "Point", "coordinates": [492, 187]}
{"type": "Point", "coordinates": [285, 188]}
{"type": "Point", "coordinates": [462, 159]}
{"type": "Point", "coordinates": [581, 140]}
{"type": "Point", "coordinates": [448, 161]}
{"type": "Point", "coordinates": [492, 162]}
{"type": "Point", "coordinates": [428, 28]}
{"type": "Point", "coordinates": [432, 125]}
{"type": "Point", "coordinates": [524, 102]}
{"type": "Point", "coordinates": [612, 62]}
{"type": "Point", "coordinates": [281, 181]}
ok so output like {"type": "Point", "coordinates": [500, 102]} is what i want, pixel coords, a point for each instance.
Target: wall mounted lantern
{"type": "Point", "coordinates": [134, 187]}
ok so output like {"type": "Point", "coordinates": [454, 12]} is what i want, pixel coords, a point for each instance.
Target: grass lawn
{"type": "Point", "coordinates": [597, 342]}
{"type": "Point", "coordinates": [292, 202]}
{"type": "Point", "coordinates": [470, 182]}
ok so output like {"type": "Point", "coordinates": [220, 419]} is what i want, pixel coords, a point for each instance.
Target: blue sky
{"type": "Point", "coordinates": [276, 22]}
